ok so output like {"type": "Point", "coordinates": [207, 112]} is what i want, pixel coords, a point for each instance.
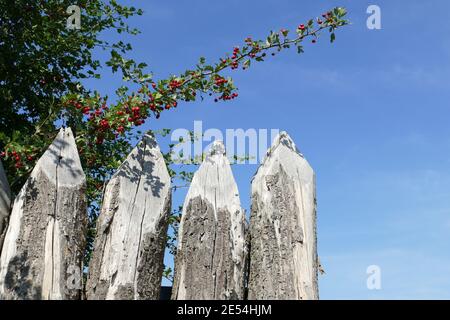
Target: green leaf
{"type": "Point", "coordinates": [340, 11]}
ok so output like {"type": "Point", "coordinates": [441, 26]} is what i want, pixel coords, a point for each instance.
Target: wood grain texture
{"type": "Point", "coordinates": [45, 239]}
{"type": "Point", "coordinates": [211, 253]}
{"type": "Point", "coordinates": [127, 261]}
{"type": "Point", "coordinates": [283, 254]}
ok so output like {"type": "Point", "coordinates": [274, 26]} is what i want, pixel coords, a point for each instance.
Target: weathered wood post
{"type": "Point", "coordinates": [127, 261]}
{"type": "Point", "coordinates": [211, 253]}
{"type": "Point", "coordinates": [5, 204]}
{"type": "Point", "coordinates": [283, 254]}
{"type": "Point", "coordinates": [42, 253]}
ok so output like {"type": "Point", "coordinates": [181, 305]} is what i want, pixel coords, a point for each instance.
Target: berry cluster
{"type": "Point", "coordinates": [174, 84]}
{"type": "Point", "coordinates": [234, 58]}
{"type": "Point", "coordinates": [103, 123]}
{"type": "Point", "coordinates": [163, 95]}
{"type": "Point", "coordinates": [21, 159]}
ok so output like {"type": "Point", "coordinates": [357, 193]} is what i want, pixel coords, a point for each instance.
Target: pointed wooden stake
{"type": "Point", "coordinates": [43, 248]}
{"type": "Point", "coordinates": [210, 260]}
{"type": "Point", "coordinates": [127, 261]}
{"type": "Point", "coordinates": [5, 204]}
{"type": "Point", "coordinates": [283, 255]}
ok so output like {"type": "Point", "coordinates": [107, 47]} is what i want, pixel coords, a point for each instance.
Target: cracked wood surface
{"type": "Point", "coordinates": [5, 204]}
{"type": "Point", "coordinates": [283, 254]}
{"type": "Point", "coordinates": [211, 253]}
{"type": "Point", "coordinates": [43, 247]}
{"type": "Point", "coordinates": [127, 261]}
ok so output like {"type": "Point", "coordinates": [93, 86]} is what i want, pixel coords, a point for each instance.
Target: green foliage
{"type": "Point", "coordinates": [41, 61]}
{"type": "Point", "coordinates": [42, 65]}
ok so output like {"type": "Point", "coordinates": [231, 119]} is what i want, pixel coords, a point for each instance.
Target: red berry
{"type": "Point", "coordinates": [301, 27]}
{"type": "Point", "coordinates": [104, 124]}
{"type": "Point", "coordinates": [3, 154]}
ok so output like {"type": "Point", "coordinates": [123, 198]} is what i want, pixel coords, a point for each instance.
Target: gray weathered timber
{"type": "Point", "coordinates": [211, 253]}
{"type": "Point", "coordinates": [5, 204]}
{"type": "Point", "coordinates": [127, 261]}
{"type": "Point", "coordinates": [283, 254]}
{"type": "Point", "coordinates": [43, 247]}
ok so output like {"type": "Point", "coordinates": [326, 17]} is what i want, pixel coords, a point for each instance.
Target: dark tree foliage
{"type": "Point", "coordinates": [43, 64]}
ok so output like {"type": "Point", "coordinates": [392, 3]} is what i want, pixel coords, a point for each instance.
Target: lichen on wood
{"type": "Point", "coordinates": [127, 261]}
{"type": "Point", "coordinates": [210, 260]}
{"type": "Point", "coordinates": [283, 255]}
{"type": "Point", "coordinates": [43, 247]}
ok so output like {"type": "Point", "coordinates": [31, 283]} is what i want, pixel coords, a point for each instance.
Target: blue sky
{"type": "Point", "coordinates": [370, 113]}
